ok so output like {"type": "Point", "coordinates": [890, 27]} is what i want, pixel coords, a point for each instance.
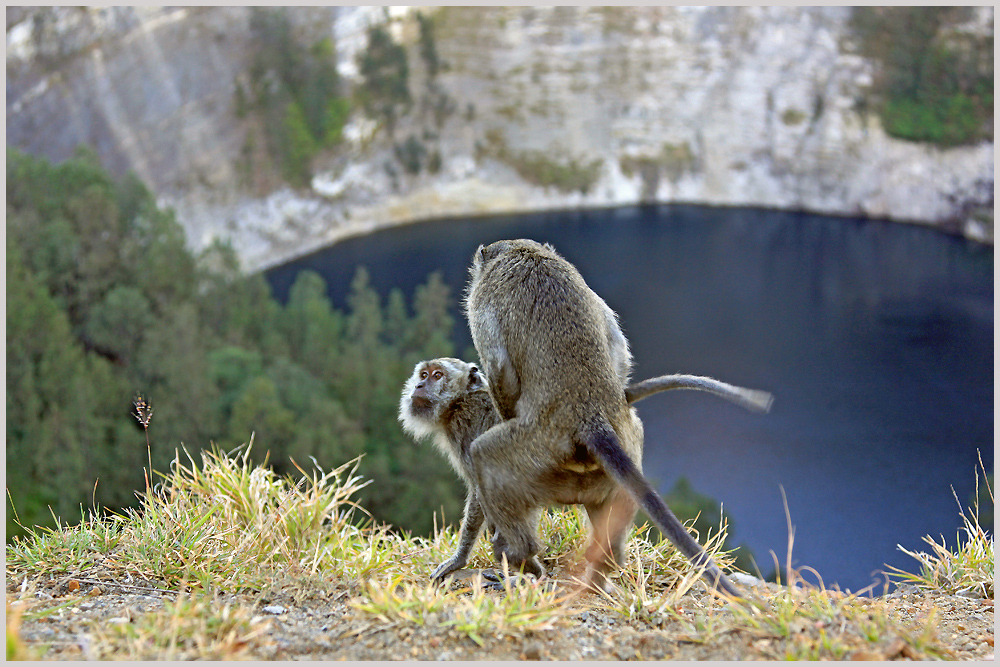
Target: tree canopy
{"type": "Point", "coordinates": [105, 302]}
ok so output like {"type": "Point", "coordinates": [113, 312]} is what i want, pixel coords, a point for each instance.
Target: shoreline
{"type": "Point", "coordinates": [365, 226]}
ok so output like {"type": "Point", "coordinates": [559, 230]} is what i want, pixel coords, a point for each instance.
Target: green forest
{"type": "Point", "coordinates": [106, 303]}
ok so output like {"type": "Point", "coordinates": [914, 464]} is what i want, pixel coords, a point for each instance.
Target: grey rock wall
{"type": "Point", "coordinates": [725, 106]}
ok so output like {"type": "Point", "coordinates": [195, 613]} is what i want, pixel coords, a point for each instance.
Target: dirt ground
{"type": "Point", "coordinates": [326, 627]}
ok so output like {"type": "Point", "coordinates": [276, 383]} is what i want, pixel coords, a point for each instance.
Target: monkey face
{"type": "Point", "coordinates": [440, 381]}
{"type": "Point", "coordinates": [431, 381]}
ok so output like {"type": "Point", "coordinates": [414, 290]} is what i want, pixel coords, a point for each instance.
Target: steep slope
{"type": "Point", "coordinates": [512, 109]}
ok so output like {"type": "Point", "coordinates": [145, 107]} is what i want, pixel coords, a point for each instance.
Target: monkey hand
{"type": "Point", "coordinates": [444, 569]}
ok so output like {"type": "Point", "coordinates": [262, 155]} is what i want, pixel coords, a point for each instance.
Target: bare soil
{"type": "Point", "coordinates": [323, 626]}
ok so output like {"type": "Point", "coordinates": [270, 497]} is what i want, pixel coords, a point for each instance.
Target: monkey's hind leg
{"type": "Point", "coordinates": [523, 531]}
{"type": "Point", "coordinates": [610, 523]}
{"type": "Point", "coordinates": [507, 462]}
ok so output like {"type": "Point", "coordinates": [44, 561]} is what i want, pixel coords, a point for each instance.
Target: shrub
{"type": "Point", "coordinates": [383, 64]}
{"type": "Point", "coordinates": [935, 83]}
{"type": "Point", "coordinates": [294, 90]}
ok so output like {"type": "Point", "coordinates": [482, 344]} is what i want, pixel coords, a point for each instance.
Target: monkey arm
{"type": "Point", "coordinates": [472, 524]}
{"type": "Point", "coordinates": [751, 399]}
{"type": "Point", "coordinates": [501, 376]}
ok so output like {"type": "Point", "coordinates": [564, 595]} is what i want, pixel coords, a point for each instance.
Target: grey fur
{"type": "Point", "coordinates": [754, 400]}
{"type": "Point", "coordinates": [446, 400]}
{"type": "Point", "coordinates": [557, 364]}
{"type": "Point", "coordinates": [454, 408]}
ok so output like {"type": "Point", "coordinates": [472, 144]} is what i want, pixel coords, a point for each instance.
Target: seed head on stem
{"type": "Point", "coordinates": [143, 411]}
{"type": "Point", "coordinates": [144, 414]}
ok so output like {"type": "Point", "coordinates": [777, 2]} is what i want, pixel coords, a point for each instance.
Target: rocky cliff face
{"type": "Point", "coordinates": [531, 108]}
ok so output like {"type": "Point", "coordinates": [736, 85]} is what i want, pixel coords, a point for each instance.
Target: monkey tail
{"type": "Point", "coordinates": [604, 445]}
{"type": "Point", "coordinates": [754, 400]}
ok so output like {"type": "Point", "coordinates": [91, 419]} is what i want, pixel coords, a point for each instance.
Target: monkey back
{"type": "Point", "coordinates": [530, 309]}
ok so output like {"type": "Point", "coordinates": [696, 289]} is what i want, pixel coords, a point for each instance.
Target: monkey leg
{"type": "Point", "coordinates": [472, 524]}
{"type": "Point", "coordinates": [610, 522]}
{"type": "Point", "coordinates": [509, 462]}
{"type": "Point", "coordinates": [520, 553]}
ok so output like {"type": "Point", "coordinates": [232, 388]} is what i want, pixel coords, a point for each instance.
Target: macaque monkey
{"type": "Point", "coordinates": [447, 400]}
{"type": "Point", "coordinates": [557, 367]}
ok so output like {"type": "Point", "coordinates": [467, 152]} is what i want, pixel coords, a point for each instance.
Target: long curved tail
{"type": "Point", "coordinates": [604, 445]}
{"type": "Point", "coordinates": [751, 399]}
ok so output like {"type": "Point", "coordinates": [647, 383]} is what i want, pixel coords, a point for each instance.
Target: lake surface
{"type": "Point", "coordinates": [875, 338]}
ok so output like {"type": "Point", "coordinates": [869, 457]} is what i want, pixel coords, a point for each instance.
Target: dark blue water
{"type": "Point", "coordinates": [875, 338]}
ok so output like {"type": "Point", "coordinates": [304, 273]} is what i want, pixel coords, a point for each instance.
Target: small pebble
{"type": "Point", "coordinates": [867, 656]}
{"type": "Point", "coordinates": [625, 653]}
{"type": "Point", "coordinates": [969, 595]}
{"type": "Point", "coordinates": [533, 651]}
{"type": "Point", "coordinates": [275, 609]}
{"type": "Point", "coordinates": [904, 589]}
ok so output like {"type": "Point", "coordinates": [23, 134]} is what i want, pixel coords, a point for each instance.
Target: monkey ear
{"type": "Point", "coordinates": [476, 379]}
{"type": "Point", "coordinates": [478, 260]}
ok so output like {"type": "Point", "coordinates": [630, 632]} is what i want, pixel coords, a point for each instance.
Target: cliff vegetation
{"type": "Point", "coordinates": [282, 130]}
{"type": "Point", "coordinates": [936, 81]}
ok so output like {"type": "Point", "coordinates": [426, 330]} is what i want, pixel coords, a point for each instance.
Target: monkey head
{"type": "Point", "coordinates": [432, 389]}
{"type": "Point", "coordinates": [522, 248]}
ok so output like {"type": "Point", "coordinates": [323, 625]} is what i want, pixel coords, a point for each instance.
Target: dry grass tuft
{"type": "Point", "coordinates": [192, 627]}
{"type": "Point", "coordinates": [967, 570]}
{"type": "Point", "coordinates": [656, 576]}
{"type": "Point", "coordinates": [224, 524]}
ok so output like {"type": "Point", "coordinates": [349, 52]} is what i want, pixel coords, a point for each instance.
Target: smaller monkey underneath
{"type": "Point", "coordinates": [447, 400]}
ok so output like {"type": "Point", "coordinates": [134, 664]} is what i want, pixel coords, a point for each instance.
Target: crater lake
{"type": "Point", "coordinates": [875, 338]}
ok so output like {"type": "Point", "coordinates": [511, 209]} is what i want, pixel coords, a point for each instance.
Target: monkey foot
{"type": "Point", "coordinates": [491, 579]}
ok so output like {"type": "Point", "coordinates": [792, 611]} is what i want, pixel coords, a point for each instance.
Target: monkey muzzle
{"type": "Point", "coordinates": [420, 405]}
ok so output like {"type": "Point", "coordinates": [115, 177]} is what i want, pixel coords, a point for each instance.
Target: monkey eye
{"type": "Point", "coordinates": [423, 375]}
{"type": "Point", "coordinates": [438, 375]}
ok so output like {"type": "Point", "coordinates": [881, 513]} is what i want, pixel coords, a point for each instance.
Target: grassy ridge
{"type": "Point", "coordinates": [228, 526]}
